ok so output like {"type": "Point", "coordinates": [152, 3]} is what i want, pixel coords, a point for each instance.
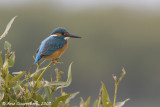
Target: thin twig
{"type": "Point", "coordinates": [100, 97]}
{"type": "Point", "coordinates": [116, 84]}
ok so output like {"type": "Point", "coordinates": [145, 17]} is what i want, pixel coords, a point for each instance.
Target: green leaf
{"type": "Point", "coordinates": [60, 99]}
{"type": "Point", "coordinates": [16, 78]}
{"type": "Point", "coordinates": [7, 28]}
{"type": "Point", "coordinates": [10, 58]}
{"type": "Point", "coordinates": [82, 102]}
{"type": "Point", "coordinates": [55, 83]}
{"type": "Point", "coordinates": [10, 76]}
{"type": "Point", "coordinates": [16, 73]}
{"type": "Point", "coordinates": [12, 99]}
{"type": "Point", "coordinates": [105, 97]}
{"type": "Point", "coordinates": [38, 98]}
{"type": "Point", "coordinates": [69, 80]}
{"type": "Point", "coordinates": [120, 104]}
{"type": "Point", "coordinates": [17, 84]}
{"type": "Point", "coordinates": [5, 61]}
{"type": "Point", "coordinates": [67, 105]}
{"type": "Point", "coordinates": [36, 74]}
{"type": "Point", "coordinates": [63, 84]}
{"type": "Point", "coordinates": [1, 94]}
{"type": "Point", "coordinates": [1, 61]}
{"type": "Point", "coordinates": [71, 97]}
{"type": "Point", "coordinates": [95, 104]}
{"type": "Point", "coordinates": [87, 102]}
{"type": "Point", "coordinates": [39, 84]}
{"type": "Point", "coordinates": [7, 46]}
{"type": "Point", "coordinates": [47, 93]}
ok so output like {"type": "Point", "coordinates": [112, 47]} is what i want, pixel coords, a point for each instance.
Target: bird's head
{"type": "Point", "coordinates": [63, 33]}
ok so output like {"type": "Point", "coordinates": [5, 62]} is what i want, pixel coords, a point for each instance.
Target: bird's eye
{"type": "Point", "coordinates": [63, 33]}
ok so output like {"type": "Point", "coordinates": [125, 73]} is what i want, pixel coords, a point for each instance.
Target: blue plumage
{"type": "Point", "coordinates": [59, 30]}
{"type": "Point", "coordinates": [53, 43]}
{"type": "Point", "coordinates": [49, 46]}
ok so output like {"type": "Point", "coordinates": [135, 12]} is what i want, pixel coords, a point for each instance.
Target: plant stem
{"type": "Point", "coordinates": [100, 97]}
{"type": "Point", "coordinates": [7, 72]}
{"type": "Point", "coordinates": [115, 93]}
{"type": "Point", "coordinates": [6, 91]}
{"type": "Point", "coordinates": [99, 102]}
{"type": "Point", "coordinates": [40, 77]}
{"type": "Point", "coordinates": [116, 84]}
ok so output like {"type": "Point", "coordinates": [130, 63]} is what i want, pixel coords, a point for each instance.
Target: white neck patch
{"type": "Point", "coordinates": [53, 35]}
{"type": "Point", "coordinates": [66, 38]}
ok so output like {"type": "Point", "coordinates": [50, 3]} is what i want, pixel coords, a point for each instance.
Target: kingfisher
{"type": "Point", "coordinates": [53, 46]}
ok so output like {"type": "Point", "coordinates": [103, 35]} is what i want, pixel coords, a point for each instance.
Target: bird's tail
{"type": "Point", "coordinates": [37, 59]}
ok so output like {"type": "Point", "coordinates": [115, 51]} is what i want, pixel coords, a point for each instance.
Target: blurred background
{"type": "Point", "coordinates": [116, 34]}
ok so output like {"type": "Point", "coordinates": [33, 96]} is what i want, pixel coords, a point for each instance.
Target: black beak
{"type": "Point", "coordinates": [73, 36]}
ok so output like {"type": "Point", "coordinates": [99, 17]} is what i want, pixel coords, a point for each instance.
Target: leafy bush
{"type": "Point", "coordinates": [25, 89]}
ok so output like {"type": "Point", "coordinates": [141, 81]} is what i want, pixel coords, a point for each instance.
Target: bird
{"type": "Point", "coordinates": [55, 45]}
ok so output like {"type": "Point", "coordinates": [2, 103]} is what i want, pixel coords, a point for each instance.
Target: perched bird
{"type": "Point", "coordinates": [53, 46]}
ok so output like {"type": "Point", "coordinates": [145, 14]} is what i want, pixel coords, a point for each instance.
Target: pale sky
{"type": "Point", "coordinates": [151, 4]}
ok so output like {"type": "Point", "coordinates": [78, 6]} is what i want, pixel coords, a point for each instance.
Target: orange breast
{"type": "Point", "coordinates": [57, 53]}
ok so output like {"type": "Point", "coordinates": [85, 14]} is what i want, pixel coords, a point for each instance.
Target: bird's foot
{"type": "Point", "coordinates": [57, 62]}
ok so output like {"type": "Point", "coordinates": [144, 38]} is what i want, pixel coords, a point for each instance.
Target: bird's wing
{"type": "Point", "coordinates": [51, 45]}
